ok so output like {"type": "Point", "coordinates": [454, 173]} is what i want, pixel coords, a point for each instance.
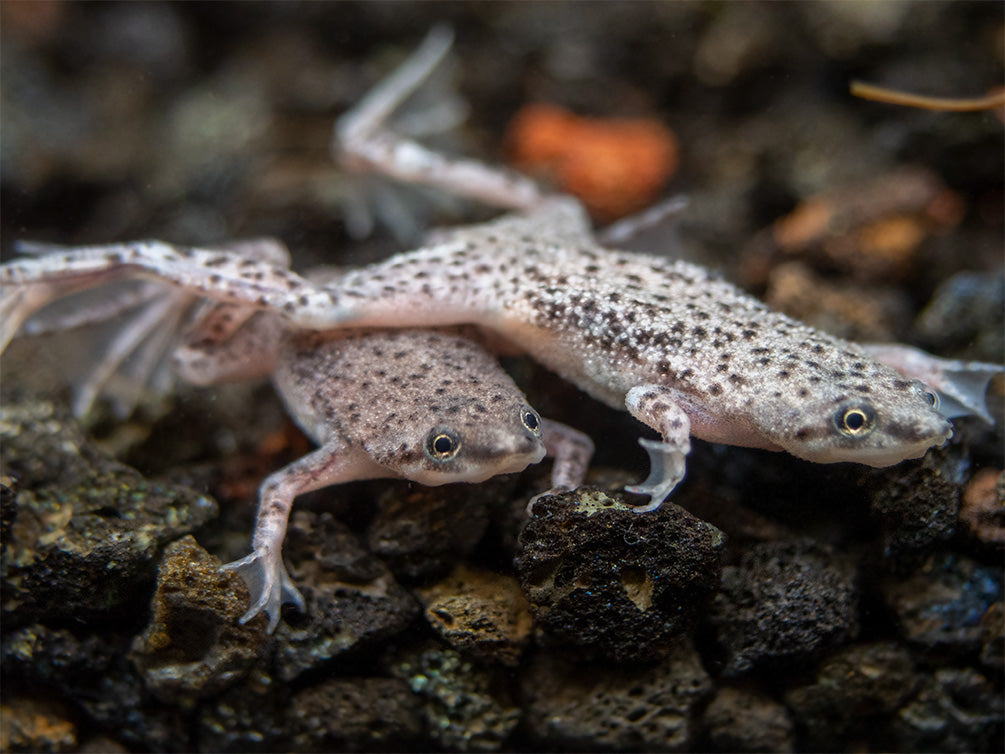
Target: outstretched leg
{"type": "Point", "coordinates": [27, 285]}
{"type": "Point", "coordinates": [961, 384]}
{"type": "Point", "coordinates": [654, 405]}
{"type": "Point", "coordinates": [364, 142]}
{"type": "Point", "coordinates": [263, 570]}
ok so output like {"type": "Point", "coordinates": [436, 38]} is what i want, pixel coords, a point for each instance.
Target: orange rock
{"type": "Point", "coordinates": [614, 166]}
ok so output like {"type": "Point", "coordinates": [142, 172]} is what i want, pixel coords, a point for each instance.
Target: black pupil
{"type": "Point", "coordinates": [854, 420]}
{"type": "Point", "coordinates": [443, 444]}
{"type": "Point", "coordinates": [530, 420]}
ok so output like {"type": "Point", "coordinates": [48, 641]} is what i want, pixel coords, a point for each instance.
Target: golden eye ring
{"type": "Point", "coordinates": [855, 420]}
{"type": "Point", "coordinates": [442, 444]}
{"type": "Point", "coordinates": [531, 421]}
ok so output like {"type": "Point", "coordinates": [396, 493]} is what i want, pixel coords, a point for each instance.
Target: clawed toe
{"type": "Point", "coordinates": [268, 584]}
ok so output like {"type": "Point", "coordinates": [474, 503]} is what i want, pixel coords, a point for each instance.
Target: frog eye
{"type": "Point", "coordinates": [442, 444]}
{"type": "Point", "coordinates": [932, 397]}
{"type": "Point", "coordinates": [531, 420]}
{"type": "Point", "coordinates": [855, 419]}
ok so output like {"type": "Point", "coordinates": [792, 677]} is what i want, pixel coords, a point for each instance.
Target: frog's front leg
{"type": "Point", "coordinates": [961, 384]}
{"type": "Point", "coordinates": [28, 284]}
{"type": "Point", "coordinates": [571, 451]}
{"type": "Point", "coordinates": [263, 571]}
{"type": "Point", "coordinates": [656, 406]}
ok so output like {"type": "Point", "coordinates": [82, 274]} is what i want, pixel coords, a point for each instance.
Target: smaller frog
{"type": "Point", "coordinates": [429, 406]}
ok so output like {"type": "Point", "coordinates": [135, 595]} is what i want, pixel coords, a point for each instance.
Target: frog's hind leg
{"type": "Point", "coordinates": [962, 385]}
{"type": "Point", "coordinates": [363, 140]}
{"type": "Point", "coordinates": [655, 405]}
{"type": "Point", "coordinates": [263, 571]}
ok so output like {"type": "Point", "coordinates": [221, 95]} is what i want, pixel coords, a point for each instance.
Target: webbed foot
{"type": "Point", "coordinates": [268, 582]}
{"type": "Point", "coordinates": [667, 463]}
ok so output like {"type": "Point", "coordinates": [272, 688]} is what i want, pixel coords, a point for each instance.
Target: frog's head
{"type": "Point", "coordinates": [878, 422]}
{"type": "Point", "coordinates": [471, 441]}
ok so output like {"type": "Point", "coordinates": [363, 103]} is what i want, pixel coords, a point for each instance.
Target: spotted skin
{"type": "Point", "coordinates": [429, 406]}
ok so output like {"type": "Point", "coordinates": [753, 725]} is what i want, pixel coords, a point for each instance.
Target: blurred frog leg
{"type": "Point", "coordinates": [962, 385]}
{"type": "Point", "coordinates": [571, 450]}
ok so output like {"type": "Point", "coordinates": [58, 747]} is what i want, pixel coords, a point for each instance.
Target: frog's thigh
{"type": "Point", "coordinates": [655, 405]}
{"type": "Point", "coordinates": [228, 344]}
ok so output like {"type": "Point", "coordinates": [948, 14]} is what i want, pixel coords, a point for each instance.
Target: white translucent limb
{"type": "Point", "coordinates": [109, 305]}
{"type": "Point", "coordinates": [376, 107]}
{"type": "Point", "coordinates": [654, 405]}
{"type": "Point", "coordinates": [571, 451]}
{"type": "Point", "coordinates": [123, 344]}
{"type": "Point", "coordinates": [961, 385]}
{"type": "Point", "coordinates": [216, 274]}
{"type": "Point", "coordinates": [364, 142]}
{"type": "Point", "coordinates": [149, 359]}
{"type": "Point", "coordinates": [263, 571]}
{"type": "Point", "coordinates": [624, 229]}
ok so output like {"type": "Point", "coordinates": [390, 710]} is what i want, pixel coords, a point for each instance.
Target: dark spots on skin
{"type": "Point", "coordinates": [783, 374]}
{"type": "Point", "coordinates": [803, 392]}
{"type": "Point", "coordinates": [699, 332]}
{"type": "Point", "coordinates": [764, 361]}
{"type": "Point", "coordinates": [901, 384]}
{"type": "Point", "coordinates": [722, 368]}
{"type": "Point", "coordinates": [215, 279]}
{"type": "Point", "coordinates": [862, 388]}
{"type": "Point", "coordinates": [737, 380]}
{"type": "Point", "coordinates": [715, 389]}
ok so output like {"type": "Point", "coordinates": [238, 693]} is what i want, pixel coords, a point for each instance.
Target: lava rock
{"type": "Point", "coordinates": [958, 710]}
{"type": "Point", "coordinates": [464, 705]}
{"type": "Point", "coordinates": [86, 531]}
{"type": "Point", "coordinates": [965, 317]}
{"type": "Point", "coordinates": [856, 692]}
{"type": "Point", "coordinates": [195, 645]}
{"type": "Point", "coordinates": [94, 675]}
{"type": "Point", "coordinates": [36, 725]}
{"type": "Point", "coordinates": [421, 532]}
{"type": "Point", "coordinates": [739, 719]}
{"type": "Point", "coordinates": [916, 505]}
{"type": "Point", "coordinates": [351, 597]}
{"type": "Point", "coordinates": [479, 613]}
{"type": "Point", "coordinates": [609, 707]}
{"type": "Point", "coordinates": [603, 577]}
{"type": "Point", "coordinates": [247, 717]}
{"type": "Point", "coordinates": [352, 714]}
{"type": "Point", "coordinates": [785, 602]}
{"type": "Point", "coordinates": [939, 606]}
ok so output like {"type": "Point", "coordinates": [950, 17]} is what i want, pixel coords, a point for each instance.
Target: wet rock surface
{"type": "Point", "coordinates": [738, 719]}
{"type": "Point", "coordinates": [784, 602]}
{"type": "Point", "coordinates": [353, 601]}
{"type": "Point", "coordinates": [465, 706]}
{"type": "Point", "coordinates": [480, 613]}
{"type": "Point", "coordinates": [616, 583]}
{"type": "Point", "coordinates": [596, 706]}
{"type": "Point", "coordinates": [84, 531]}
{"type": "Point", "coordinates": [858, 610]}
